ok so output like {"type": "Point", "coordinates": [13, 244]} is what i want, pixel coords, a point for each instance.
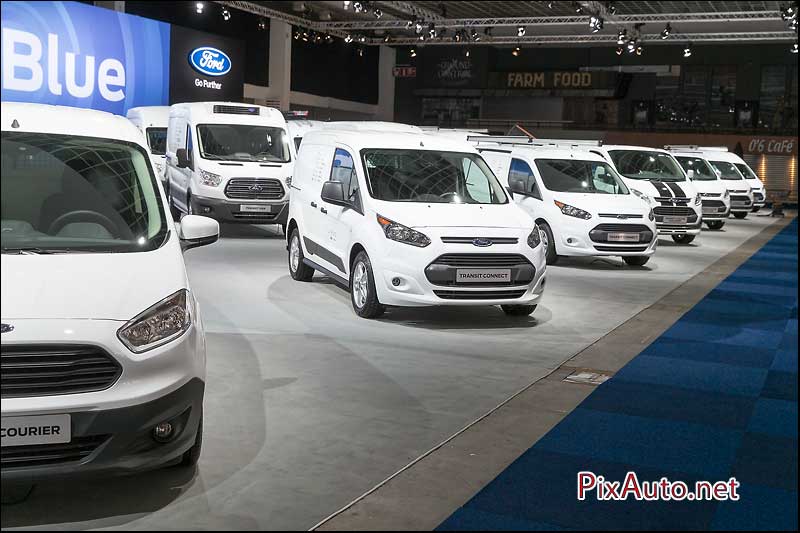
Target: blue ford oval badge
{"type": "Point", "coordinates": [210, 61]}
{"type": "Point", "coordinates": [482, 242]}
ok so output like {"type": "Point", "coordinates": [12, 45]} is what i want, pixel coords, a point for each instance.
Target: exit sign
{"type": "Point", "coordinates": [405, 71]}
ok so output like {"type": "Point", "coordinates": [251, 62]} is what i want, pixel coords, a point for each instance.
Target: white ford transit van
{"type": "Point", "coordinates": [408, 219]}
{"type": "Point", "coordinates": [578, 201]}
{"type": "Point", "coordinates": [152, 121]}
{"type": "Point", "coordinates": [232, 162]}
{"type": "Point", "coordinates": [715, 195]}
{"type": "Point", "coordinates": [103, 350]}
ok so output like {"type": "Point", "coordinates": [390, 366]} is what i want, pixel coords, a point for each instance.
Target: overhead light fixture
{"type": "Point", "coordinates": [346, 4]}
{"type": "Point", "coordinates": [413, 52]}
{"type": "Point", "coordinates": [639, 50]}
{"type": "Point", "coordinates": [516, 51]}
{"type": "Point", "coordinates": [687, 51]}
{"type": "Point", "coordinates": [622, 37]}
{"type": "Point", "coordinates": [262, 24]}
{"type": "Point", "coordinates": [409, 24]}
{"type": "Point", "coordinates": [360, 51]}
{"type": "Point", "coordinates": [596, 23]}
{"type": "Point", "coordinates": [386, 39]}
{"type": "Point", "coordinates": [793, 49]}
{"type": "Point", "coordinates": [666, 31]}
{"type": "Point", "coordinates": [226, 15]}
{"type": "Point", "coordinates": [578, 8]}
{"type": "Point", "coordinates": [474, 35]}
{"type": "Point", "coordinates": [611, 9]}
{"type": "Point", "coordinates": [348, 39]}
{"type": "Point", "coordinates": [377, 13]}
{"type": "Point", "coordinates": [358, 7]}
{"type": "Point", "coordinates": [632, 46]}
{"type": "Point", "coordinates": [296, 35]}
{"type": "Point", "coordinates": [418, 27]}
{"type": "Point", "coordinates": [362, 38]}
{"type": "Point", "coordinates": [329, 39]}
{"type": "Point", "coordinates": [199, 7]}
{"type": "Point", "coordinates": [550, 5]}
{"type": "Point", "coordinates": [466, 54]}
{"type": "Point", "coordinates": [432, 30]}
{"type": "Point", "coordinates": [620, 50]}
{"type": "Point", "coordinates": [521, 31]}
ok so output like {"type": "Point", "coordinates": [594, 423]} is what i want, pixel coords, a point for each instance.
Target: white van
{"type": "Point", "coordinates": [298, 128]}
{"type": "Point", "coordinates": [705, 178]}
{"type": "Point", "coordinates": [152, 121]}
{"type": "Point", "coordinates": [103, 350]}
{"type": "Point", "coordinates": [654, 175]}
{"type": "Point", "coordinates": [408, 219]}
{"type": "Point", "coordinates": [577, 199]}
{"type": "Point", "coordinates": [232, 162]}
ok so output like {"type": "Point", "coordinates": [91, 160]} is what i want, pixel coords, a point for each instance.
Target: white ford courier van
{"type": "Point", "coordinates": [408, 219]}
{"type": "Point", "coordinates": [152, 121]}
{"type": "Point", "coordinates": [103, 352]}
{"type": "Point", "coordinates": [579, 202]}
{"type": "Point", "coordinates": [715, 195]}
{"type": "Point", "coordinates": [231, 162]}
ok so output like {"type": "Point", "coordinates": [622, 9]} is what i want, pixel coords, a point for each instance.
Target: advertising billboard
{"type": "Point", "coordinates": [66, 53]}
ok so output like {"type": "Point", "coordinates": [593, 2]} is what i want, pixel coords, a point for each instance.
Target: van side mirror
{"type": "Point", "coordinates": [183, 158]}
{"type": "Point", "coordinates": [333, 193]}
{"type": "Point", "coordinates": [690, 173]}
{"type": "Point", "coordinates": [196, 230]}
{"type": "Point", "coordinates": [518, 186]}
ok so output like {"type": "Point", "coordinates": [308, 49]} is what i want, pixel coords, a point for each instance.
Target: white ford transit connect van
{"type": "Point", "coordinates": [152, 121]}
{"type": "Point", "coordinates": [577, 199]}
{"type": "Point", "coordinates": [103, 351]}
{"type": "Point", "coordinates": [408, 219]}
{"type": "Point", "coordinates": [231, 162]}
{"type": "Point", "coordinates": [715, 195]}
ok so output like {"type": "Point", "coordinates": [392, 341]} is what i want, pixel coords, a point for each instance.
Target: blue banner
{"type": "Point", "coordinates": [73, 54]}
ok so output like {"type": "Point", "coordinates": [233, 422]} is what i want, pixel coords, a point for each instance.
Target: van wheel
{"type": "Point", "coordinates": [550, 243]}
{"type": "Point", "coordinates": [740, 215]}
{"type": "Point", "coordinates": [363, 295]}
{"type": "Point", "coordinates": [715, 224]}
{"type": "Point", "coordinates": [297, 268]}
{"type": "Point", "coordinates": [192, 455]}
{"type": "Point", "coordinates": [636, 260]}
{"type": "Point", "coordinates": [683, 239]}
{"type": "Point", "coordinates": [518, 310]}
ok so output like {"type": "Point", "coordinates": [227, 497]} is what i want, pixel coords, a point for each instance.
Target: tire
{"type": "Point", "coordinates": [297, 268]}
{"type": "Point", "coordinates": [683, 239]}
{"type": "Point", "coordinates": [636, 260]}
{"type": "Point", "coordinates": [518, 310]}
{"type": "Point", "coordinates": [363, 295]}
{"type": "Point", "coordinates": [192, 455]}
{"type": "Point", "coordinates": [715, 224]}
{"type": "Point", "coordinates": [551, 256]}
{"type": "Point", "coordinates": [740, 215]}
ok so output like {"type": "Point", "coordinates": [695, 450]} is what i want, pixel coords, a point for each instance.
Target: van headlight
{"type": "Point", "coordinates": [165, 321]}
{"type": "Point", "coordinates": [400, 233]}
{"type": "Point", "coordinates": [535, 238]}
{"type": "Point", "coordinates": [288, 182]}
{"type": "Point", "coordinates": [651, 216]}
{"type": "Point", "coordinates": [571, 211]}
{"type": "Point", "coordinates": [698, 200]}
{"type": "Point", "coordinates": [726, 194]}
{"type": "Point", "coordinates": [210, 179]}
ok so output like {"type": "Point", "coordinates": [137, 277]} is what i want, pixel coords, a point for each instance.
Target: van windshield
{"type": "Point", "coordinates": [586, 177]}
{"type": "Point", "coordinates": [646, 165]}
{"type": "Point", "coordinates": [431, 177]}
{"type": "Point", "coordinates": [727, 170]}
{"type": "Point", "coordinates": [68, 194]}
{"type": "Point", "coordinates": [243, 142]}
{"type": "Point", "coordinates": [157, 140]}
{"type": "Point", "coordinates": [746, 171]}
{"type": "Point", "coordinates": [702, 170]}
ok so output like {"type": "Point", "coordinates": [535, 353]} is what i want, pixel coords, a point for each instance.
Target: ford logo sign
{"type": "Point", "coordinates": [483, 243]}
{"type": "Point", "coordinates": [210, 61]}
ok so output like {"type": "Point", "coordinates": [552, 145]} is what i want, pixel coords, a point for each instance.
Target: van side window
{"type": "Point", "coordinates": [521, 170]}
{"type": "Point", "coordinates": [344, 172]}
{"type": "Point", "coordinates": [189, 146]}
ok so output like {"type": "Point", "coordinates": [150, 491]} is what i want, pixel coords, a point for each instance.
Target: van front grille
{"type": "Point", "coordinates": [480, 295]}
{"type": "Point", "coordinates": [481, 260]}
{"type": "Point", "coordinates": [254, 189]}
{"type": "Point", "coordinates": [50, 454]}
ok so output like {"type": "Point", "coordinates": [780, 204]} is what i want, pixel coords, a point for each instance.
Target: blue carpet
{"type": "Point", "coordinates": [714, 397]}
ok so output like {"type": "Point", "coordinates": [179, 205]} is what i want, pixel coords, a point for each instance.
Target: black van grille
{"type": "Point", "coordinates": [674, 211]}
{"type": "Point", "coordinates": [481, 260]}
{"type": "Point", "coordinates": [50, 454]}
{"type": "Point", "coordinates": [254, 189]}
{"type": "Point", "coordinates": [480, 295]}
{"type": "Point", "coordinates": [46, 370]}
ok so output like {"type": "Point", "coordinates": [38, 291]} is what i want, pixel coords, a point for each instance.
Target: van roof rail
{"type": "Point", "coordinates": [520, 140]}
{"type": "Point", "coordinates": [695, 148]}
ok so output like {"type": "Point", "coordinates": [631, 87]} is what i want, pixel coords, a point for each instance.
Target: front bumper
{"type": "Point", "coordinates": [230, 210]}
{"type": "Point", "coordinates": [112, 441]}
{"type": "Point", "coordinates": [583, 238]}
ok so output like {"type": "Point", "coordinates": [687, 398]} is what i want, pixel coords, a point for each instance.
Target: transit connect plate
{"type": "Point", "coordinates": [256, 208]}
{"type": "Point", "coordinates": [483, 275]}
{"type": "Point", "coordinates": [32, 430]}
{"type": "Point", "coordinates": [675, 220]}
{"type": "Point", "coordinates": [623, 237]}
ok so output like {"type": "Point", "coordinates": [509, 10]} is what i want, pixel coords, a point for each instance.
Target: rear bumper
{"type": "Point", "coordinates": [230, 210]}
{"type": "Point", "coordinates": [114, 441]}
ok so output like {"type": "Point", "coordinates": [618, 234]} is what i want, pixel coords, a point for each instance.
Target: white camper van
{"type": "Point", "coordinates": [152, 122]}
{"type": "Point", "coordinates": [232, 162]}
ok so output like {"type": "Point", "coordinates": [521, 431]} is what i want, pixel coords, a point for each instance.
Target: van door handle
{"type": "Point", "coordinates": [313, 204]}
{"type": "Point", "coordinates": [324, 211]}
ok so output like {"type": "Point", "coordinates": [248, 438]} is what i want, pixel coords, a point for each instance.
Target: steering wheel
{"type": "Point", "coordinates": [87, 216]}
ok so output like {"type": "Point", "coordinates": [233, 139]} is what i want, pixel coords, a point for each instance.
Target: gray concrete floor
{"type": "Point", "coordinates": [308, 406]}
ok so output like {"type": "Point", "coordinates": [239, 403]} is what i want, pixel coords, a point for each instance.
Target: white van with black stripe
{"type": "Point", "coordinates": [656, 176]}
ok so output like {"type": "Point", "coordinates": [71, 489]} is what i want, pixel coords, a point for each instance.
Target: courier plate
{"type": "Point", "coordinates": [483, 275]}
{"type": "Point", "coordinates": [33, 430]}
{"type": "Point", "coordinates": [713, 210]}
{"type": "Point", "coordinates": [675, 220]}
{"type": "Point", "coordinates": [623, 237]}
{"type": "Point", "coordinates": [255, 208]}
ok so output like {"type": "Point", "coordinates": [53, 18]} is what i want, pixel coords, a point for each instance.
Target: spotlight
{"type": "Point", "coordinates": [687, 51]}
{"type": "Point", "coordinates": [632, 46]}
{"type": "Point", "coordinates": [348, 39]}
{"type": "Point", "coordinates": [473, 34]}
{"type": "Point", "coordinates": [346, 4]}
{"type": "Point", "coordinates": [620, 50]}
{"type": "Point", "coordinates": [386, 39]}
{"type": "Point", "coordinates": [622, 37]}
{"type": "Point", "coordinates": [199, 7]}
{"type": "Point", "coordinates": [432, 30]}
{"type": "Point", "coordinates": [578, 8]}
{"type": "Point", "coordinates": [521, 31]}
{"type": "Point", "coordinates": [611, 8]}
{"type": "Point", "coordinates": [358, 7]}
{"type": "Point", "coordinates": [329, 39]}
{"type": "Point", "coordinates": [418, 27]}
{"type": "Point", "coordinates": [262, 24]}
{"type": "Point", "coordinates": [378, 13]}
{"type": "Point", "coordinates": [362, 39]}
{"type": "Point", "coordinates": [413, 52]}
{"type": "Point", "coordinates": [409, 24]}
{"type": "Point", "coordinates": [296, 35]}
{"type": "Point", "coordinates": [516, 51]}
{"type": "Point", "coordinates": [550, 5]}
{"type": "Point", "coordinates": [226, 15]}
{"type": "Point", "coordinates": [666, 31]}
{"type": "Point", "coordinates": [466, 54]}
{"type": "Point", "coordinates": [360, 51]}
{"type": "Point", "coordinates": [596, 23]}
{"type": "Point", "coordinates": [793, 49]}
{"type": "Point", "coordinates": [639, 50]}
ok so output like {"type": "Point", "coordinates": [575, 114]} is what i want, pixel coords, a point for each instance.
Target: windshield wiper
{"type": "Point", "coordinates": [30, 251]}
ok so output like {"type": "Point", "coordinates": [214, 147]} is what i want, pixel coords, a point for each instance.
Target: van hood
{"type": "Point", "coordinates": [432, 215]}
{"type": "Point", "coordinates": [710, 186]}
{"type": "Point", "coordinates": [657, 189]}
{"type": "Point", "coordinates": [604, 203]}
{"type": "Point", "coordinates": [755, 184]}
{"type": "Point", "coordinates": [115, 286]}
{"type": "Point", "coordinates": [236, 169]}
